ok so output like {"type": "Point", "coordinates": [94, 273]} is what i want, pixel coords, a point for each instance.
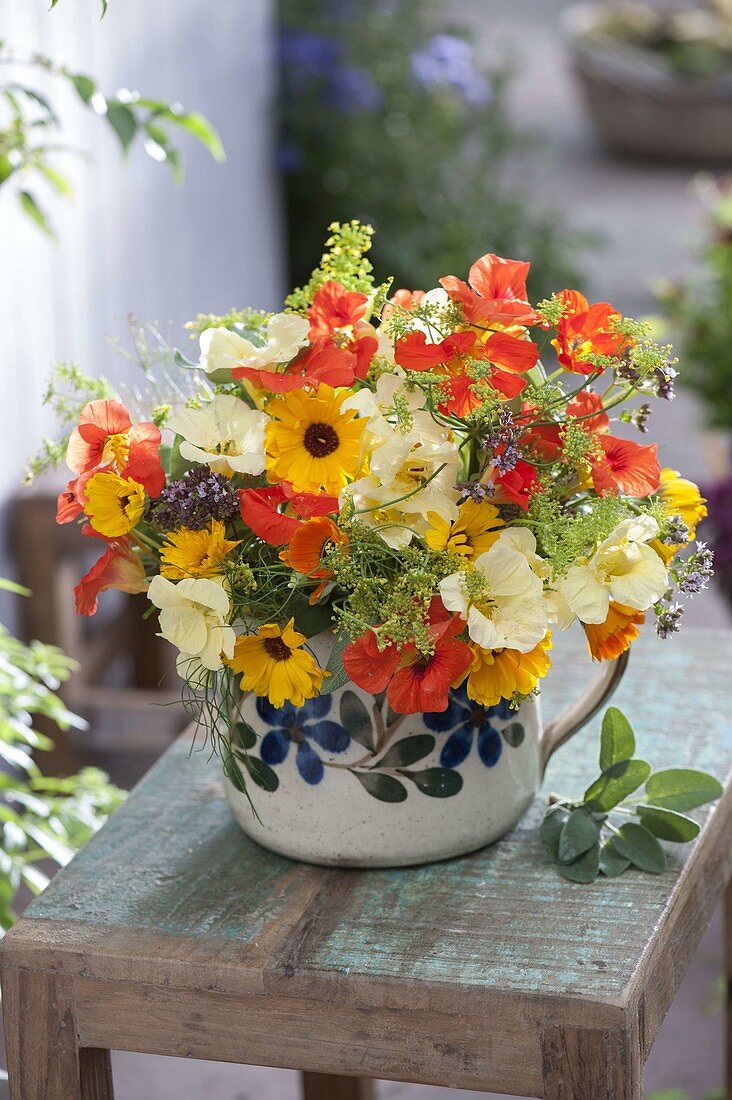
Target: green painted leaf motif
{"type": "Point", "coordinates": [682, 789]}
{"type": "Point", "coordinates": [668, 824]}
{"type": "Point", "coordinates": [261, 773]}
{"type": "Point", "coordinates": [122, 120]}
{"type": "Point", "coordinates": [357, 720]}
{"type": "Point", "coordinates": [436, 782]}
{"type": "Point", "coordinates": [513, 734]}
{"type": "Point", "coordinates": [612, 863]}
{"type": "Point", "coordinates": [408, 751]}
{"type": "Point", "coordinates": [616, 783]}
{"type": "Point", "coordinates": [579, 834]}
{"type": "Point", "coordinates": [338, 677]}
{"type": "Point", "coordinates": [551, 828]}
{"type": "Point", "coordinates": [384, 787]}
{"type": "Point", "coordinates": [640, 846]}
{"type": "Point", "coordinates": [243, 736]}
{"type": "Point", "coordinates": [585, 869]}
{"type": "Point", "coordinates": [616, 741]}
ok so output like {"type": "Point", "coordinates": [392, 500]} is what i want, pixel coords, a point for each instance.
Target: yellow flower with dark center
{"type": "Point", "coordinates": [311, 442]}
{"type": "Point", "coordinates": [272, 662]}
{"type": "Point", "coordinates": [473, 532]}
{"type": "Point", "coordinates": [497, 674]}
{"type": "Point", "coordinates": [114, 504]}
{"type": "Point", "coordinates": [190, 553]}
{"type": "Point", "coordinates": [680, 497]}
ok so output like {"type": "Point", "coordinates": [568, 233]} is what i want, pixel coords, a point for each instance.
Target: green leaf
{"type": "Point", "coordinates": [640, 846]}
{"type": "Point", "coordinates": [122, 120]}
{"type": "Point", "coordinates": [408, 751]}
{"type": "Point", "coordinates": [338, 677]}
{"type": "Point", "coordinates": [616, 783]}
{"type": "Point", "coordinates": [513, 734]}
{"type": "Point", "coordinates": [34, 212]}
{"type": "Point", "coordinates": [59, 183]}
{"type": "Point", "coordinates": [682, 789]}
{"type": "Point", "coordinates": [584, 869]}
{"type": "Point", "coordinates": [551, 828]}
{"type": "Point", "coordinates": [261, 773]}
{"type": "Point", "coordinates": [384, 787]}
{"type": "Point", "coordinates": [436, 782]}
{"type": "Point", "coordinates": [243, 736]}
{"type": "Point", "coordinates": [668, 824]}
{"type": "Point", "coordinates": [617, 742]}
{"type": "Point", "coordinates": [84, 85]}
{"type": "Point", "coordinates": [357, 720]}
{"type": "Point", "coordinates": [200, 128]}
{"type": "Point", "coordinates": [612, 863]}
{"type": "Point", "coordinates": [580, 833]}
{"type": "Point", "coordinates": [310, 619]}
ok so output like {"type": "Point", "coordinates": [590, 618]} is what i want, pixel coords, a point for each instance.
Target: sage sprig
{"type": "Point", "coordinates": [607, 831]}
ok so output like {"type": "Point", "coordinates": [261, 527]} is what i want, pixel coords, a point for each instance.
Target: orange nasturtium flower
{"type": "Point", "coordinates": [306, 550]}
{"type": "Point", "coordinates": [106, 437]}
{"type": "Point", "coordinates": [608, 640]}
{"type": "Point", "coordinates": [586, 331]}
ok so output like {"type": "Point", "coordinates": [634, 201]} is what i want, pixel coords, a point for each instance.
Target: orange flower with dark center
{"type": "Point", "coordinates": [608, 640]}
{"type": "Point", "coordinates": [305, 552]}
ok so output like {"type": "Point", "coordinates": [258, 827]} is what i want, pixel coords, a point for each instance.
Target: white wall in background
{"type": "Point", "coordinates": [132, 241]}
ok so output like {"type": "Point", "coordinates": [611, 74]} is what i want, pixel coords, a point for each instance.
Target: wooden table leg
{"type": "Point", "coordinates": [591, 1065]}
{"type": "Point", "coordinates": [728, 971]}
{"type": "Point", "coordinates": [324, 1086]}
{"type": "Point", "coordinates": [44, 1059]}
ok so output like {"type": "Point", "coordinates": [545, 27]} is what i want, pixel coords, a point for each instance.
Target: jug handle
{"type": "Point", "coordinates": [577, 714]}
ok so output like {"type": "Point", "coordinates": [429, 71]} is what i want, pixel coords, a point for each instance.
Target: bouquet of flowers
{"type": "Point", "coordinates": [435, 478]}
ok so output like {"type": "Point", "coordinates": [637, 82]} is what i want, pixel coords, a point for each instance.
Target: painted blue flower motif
{"type": "Point", "coordinates": [300, 726]}
{"type": "Point", "coordinates": [467, 720]}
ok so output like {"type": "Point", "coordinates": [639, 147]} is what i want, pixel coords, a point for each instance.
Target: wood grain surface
{"type": "Point", "coordinates": [182, 936]}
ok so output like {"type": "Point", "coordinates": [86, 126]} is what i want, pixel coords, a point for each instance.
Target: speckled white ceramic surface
{"type": "Point", "coordinates": [356, 785]}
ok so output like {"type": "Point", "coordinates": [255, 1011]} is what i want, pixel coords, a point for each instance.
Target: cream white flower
{"type": "Point", "coordinates": [193, 615]}
{"type": "Point", "coordinates": [226, 434]}
{"type": "Point", "coordinates": [378, 405]}
{"type": "Point", "coordinates": [500, 597]}
{"type": "Point", "coordinates": [286, 334]}
{"type": "Point", "coordinates": [623, 568]}
{"type": "Point", "coordinates": [411, 474]}
{"type": "Point", "coordinates": [523, 540]}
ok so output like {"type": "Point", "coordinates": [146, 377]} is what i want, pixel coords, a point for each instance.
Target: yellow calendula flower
{"type": "Point", "coordinates": [311, 442]}
{"type": "Point", "coordinates": [272, 662]}
{"type": "Point", "coordinates": [470, 535]}
{"type": "Point", "coordinates": [680, 497]}
{"type": "Point", "coordinates": [114, 504]}
{"type": "Point", "coordinates": [497, 674]}
{"type": "Point", "coordinates": [190, 553]}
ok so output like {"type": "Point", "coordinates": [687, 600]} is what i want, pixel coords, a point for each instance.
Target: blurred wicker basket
{"type": "Point", "coordinates": [642, 107]}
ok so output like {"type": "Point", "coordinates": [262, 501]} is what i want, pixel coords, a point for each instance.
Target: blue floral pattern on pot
{"type": "Point", "coordinates": [468, 721]}
{"type": "Point", "coordinates": [301, 727]}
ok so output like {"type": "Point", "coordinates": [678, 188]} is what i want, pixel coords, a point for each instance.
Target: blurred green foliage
{"type": "Point", "coordinates": [700, 308]}
{"type": "Point", "coordinates": [388, 117]}
{"type": "Point", "coordinates": [43, 819]}
{"type": "Point", "coordinates": [30, 129]}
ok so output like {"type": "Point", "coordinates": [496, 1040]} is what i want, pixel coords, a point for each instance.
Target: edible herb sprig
{"type": "Point", "coordinates": [607, 831]}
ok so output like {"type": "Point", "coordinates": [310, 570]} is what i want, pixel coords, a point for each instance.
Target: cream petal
{"type": "Point", "coordinates": [585, 594]}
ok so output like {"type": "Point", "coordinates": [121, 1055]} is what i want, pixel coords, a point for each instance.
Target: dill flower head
{"type": "Point", "coordinates": [189, 553]}
{"type": "Point", "coordinates": [194, 500]}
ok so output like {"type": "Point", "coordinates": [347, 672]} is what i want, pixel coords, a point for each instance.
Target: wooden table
{"type": "Point", "coordinates": [173, 934]}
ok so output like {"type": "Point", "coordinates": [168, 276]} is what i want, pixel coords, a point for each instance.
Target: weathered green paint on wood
{"type": "Point", "coordinates": [173, 863]}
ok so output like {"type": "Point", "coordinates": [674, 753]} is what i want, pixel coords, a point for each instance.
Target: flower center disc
{"type": "Point", "coordinates": [276, 648]}
{"type": "Point", "coordinates": [321, 440]}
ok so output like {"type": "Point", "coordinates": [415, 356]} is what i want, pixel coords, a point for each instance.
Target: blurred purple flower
{"type": "Point", "coordinates": [306, 56]}
{"type": "Point", "coordinates": [353, 90]}
{"type": "Point", "coordinates": [448, 60]}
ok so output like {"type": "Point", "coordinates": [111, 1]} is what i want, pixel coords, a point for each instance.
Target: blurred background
{"type": "Point", "coordinates": [592, 139]}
